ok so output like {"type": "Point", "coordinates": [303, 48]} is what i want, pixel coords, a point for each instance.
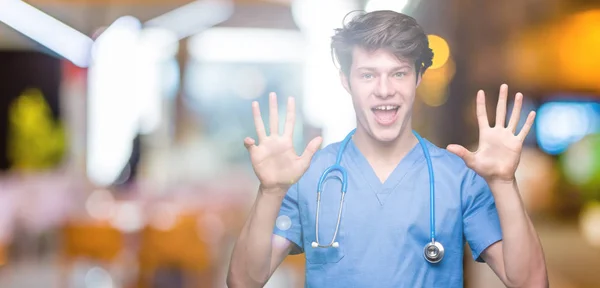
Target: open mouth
{"type": "Point", "coordinates": [385, 114]}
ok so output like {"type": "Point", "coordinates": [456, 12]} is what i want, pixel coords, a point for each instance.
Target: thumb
{"type": "Point", "coordinates": [249, 143]}
{"type": "Point", "coordinates": [461, 152]}
{"type": "Point", "coordinates": [311, 149]}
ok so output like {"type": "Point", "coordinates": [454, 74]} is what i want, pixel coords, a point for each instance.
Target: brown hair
{"type": "Point", "coordinates": [393, 31]}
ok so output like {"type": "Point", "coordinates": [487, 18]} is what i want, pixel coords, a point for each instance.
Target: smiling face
{"type": "Point", "coordinates": [383, 89]}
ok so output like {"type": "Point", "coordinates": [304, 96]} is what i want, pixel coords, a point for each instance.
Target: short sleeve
{"type": "Point", "coordinates": [481, 224]}
{"type": "Point", "coordinates": [288, 223]}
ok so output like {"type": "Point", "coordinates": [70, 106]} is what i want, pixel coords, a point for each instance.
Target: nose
{"type": "Point", "coordinates": [384, 89]}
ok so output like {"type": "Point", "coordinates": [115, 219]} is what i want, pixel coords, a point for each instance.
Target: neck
{"type": "Point", "coordinates": [390, 152]}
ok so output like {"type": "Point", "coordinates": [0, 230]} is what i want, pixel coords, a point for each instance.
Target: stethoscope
{"type": "Point", "coordinates": [433, 251]}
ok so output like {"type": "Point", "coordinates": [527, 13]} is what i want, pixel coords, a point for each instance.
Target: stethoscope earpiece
{"type": "Point", "coordinates": [433, 252]}
{"type": "Point", "coordinates": [334, 245]}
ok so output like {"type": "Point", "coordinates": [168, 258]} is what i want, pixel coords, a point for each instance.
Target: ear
{"type": "Point", "coordinates": [345, 81]}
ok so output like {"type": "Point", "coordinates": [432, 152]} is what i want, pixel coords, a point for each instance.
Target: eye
{"type": "Point", "coordinates": [367, 76]}
{"type": "Point", "coordinates": [400, 74]}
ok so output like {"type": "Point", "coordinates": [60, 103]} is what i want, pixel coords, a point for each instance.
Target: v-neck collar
{"type": "Point", "coordinates": [383, 190]}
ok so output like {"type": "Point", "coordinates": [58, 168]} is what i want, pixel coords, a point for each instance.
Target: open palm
{"type": "Point", "coordinates": [499, 150]}
{"type": "Point", "coordinates": [274, 159]}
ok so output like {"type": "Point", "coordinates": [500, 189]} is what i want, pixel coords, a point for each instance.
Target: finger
{"type": "Point", "coordinates": [290, 118]}
{"type": "Point", "coordinates": [249, 143]}
{"type": "Point", "coordinates": [501, 108]}
{"type": "Point", "coordinates": [273, 114]}
{"type": "Point", "coordinates": [482, 116]}
{"type": "Point", "coordinates": [461, 152]}
{"type": "Point", "coordinates": [258, 122]}
{"type": "Point", "coordinates": [528, 123]}
{"type": "Point", "coordinates": [516, 113]}
{"type": "Point", "coordinates": [311, 149]}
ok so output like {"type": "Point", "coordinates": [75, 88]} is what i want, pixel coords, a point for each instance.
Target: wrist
{"type": "Point", "coordinates": [501, 182]}
{"type": "Point", "coordinates": [273, 190]}
{"type": "Point", "coordinates": [504, 189]}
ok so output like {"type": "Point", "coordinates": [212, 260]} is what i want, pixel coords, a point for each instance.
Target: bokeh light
{"type": "Point", "coordinates": [590, 223]}
{"type": "Point", "coordinates": [581, 165]}
{"type": "Point", "coordinates": [394, 5]}
{"type": "Point", "coordinates": [559, 124]}
{"type": "Point", "coordinates": [441, 51]}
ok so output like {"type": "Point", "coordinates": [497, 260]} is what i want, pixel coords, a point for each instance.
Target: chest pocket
{"type": "Point", "coordinates": [330, 204]}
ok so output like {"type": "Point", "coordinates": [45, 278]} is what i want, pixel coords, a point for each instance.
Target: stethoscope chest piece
{"type": "Point", "coordinates": [433, 252]}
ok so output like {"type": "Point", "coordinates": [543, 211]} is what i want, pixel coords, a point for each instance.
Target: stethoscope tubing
{"type": "Point", "coordinates": [338, 167]}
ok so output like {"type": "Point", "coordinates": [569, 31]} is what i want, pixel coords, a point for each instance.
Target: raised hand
{"type": "Point", "coordinates": [274, 160]}
{"type": "Point", "coordinates": [499, 150]}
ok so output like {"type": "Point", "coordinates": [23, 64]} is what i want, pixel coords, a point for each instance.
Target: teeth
{"type": "Point", "coordinates": [386, 107]}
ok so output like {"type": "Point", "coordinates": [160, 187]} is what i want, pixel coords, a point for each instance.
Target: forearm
{"type": "Point", "coordinates": [524, 262]}
{"type": "Point", "coordinates": [250, 264]}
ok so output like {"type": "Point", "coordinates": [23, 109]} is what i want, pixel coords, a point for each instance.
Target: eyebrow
{"type": "Point", "coordinates": [375, 69]}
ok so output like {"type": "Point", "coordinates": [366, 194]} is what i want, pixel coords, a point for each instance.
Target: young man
{"type": "Point", "coordinates": [385, 219]}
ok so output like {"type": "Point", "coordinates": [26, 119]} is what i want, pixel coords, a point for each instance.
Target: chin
{"type": "Point", "coordinates": [387, 134]}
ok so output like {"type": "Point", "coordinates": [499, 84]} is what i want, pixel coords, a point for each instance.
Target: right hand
{"type": "Point", "coordinates": [274, 159]}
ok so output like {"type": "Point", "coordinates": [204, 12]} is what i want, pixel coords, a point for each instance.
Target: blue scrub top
{"type": "Point", "coordinates": [385, 226]}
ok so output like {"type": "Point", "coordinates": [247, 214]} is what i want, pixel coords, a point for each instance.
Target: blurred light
{"type": "Point", "coordinates": [100, 205]}
{"type": "Point", "coordinates": [125, 92]}
{"type": "Point", "coordinates": [98, 278]}
{"type": "Point", "coordinates": [164, 216]}
{"type": "Point", "coordinates": [559, 124]}
{"type": "Point", "coordinates": [158, 43]}
{"type": "Point", "coordinates": [127, 217]}
{"type": "Point", "coordinates": [194, 17]}
{"type": "Point", "coordinates": [394, 5]}
{"type": "Point", "coordinates": [570, 63]}
{"type": "Point", "coordinates": [579, 162]}
{"type": "Point", "coordinates": [251, 83]}
{"type": "Point", "coordinates": [113, 110]}
{"type": "Point", "coordinates": [433, 89]}
{"type": "Point", "coordinates": [283, 222]}
{"type": "Point", "coordinates": [253, 45]}
{"type": "Point", "coordinates": [124, 30]}
{"type": "Point", "coordinates": [46, 30]}
{"type": "Point", "coordinates": [156, 47]}
{"type": "Point", "coordinates": [581, 165]}
{"type": "Point", "coordinates": [441, 51]}
{"type": "Point", "coordinates": [537, 177]}
{"type": "Point", "coordinates": [171, 79]}
{"type": "Point", "coordinates": [577, 43]}
{"type": "Point", "coordinates": [589, 223]}
{"type": "Point", "coordinates": [325, 103]}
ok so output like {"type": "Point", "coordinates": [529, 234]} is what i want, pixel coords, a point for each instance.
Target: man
{"type": "Point", "coordinates": [386, 211]}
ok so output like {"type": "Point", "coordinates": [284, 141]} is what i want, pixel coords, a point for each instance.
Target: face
{"type": "Point", "coordinates": [383, 90]}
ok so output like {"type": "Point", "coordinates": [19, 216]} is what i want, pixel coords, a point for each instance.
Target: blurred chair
{"type": "Point", "coordinates": [96, 241]}
{"type": "Point", "coordinates": [177, 250]}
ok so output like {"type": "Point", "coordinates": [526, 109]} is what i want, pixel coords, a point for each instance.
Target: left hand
{"type": "Point", "coordinates": [499, 150]}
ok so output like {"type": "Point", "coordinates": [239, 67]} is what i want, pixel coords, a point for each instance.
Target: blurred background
{"type": "Point", "coordinates": [121, 126]}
